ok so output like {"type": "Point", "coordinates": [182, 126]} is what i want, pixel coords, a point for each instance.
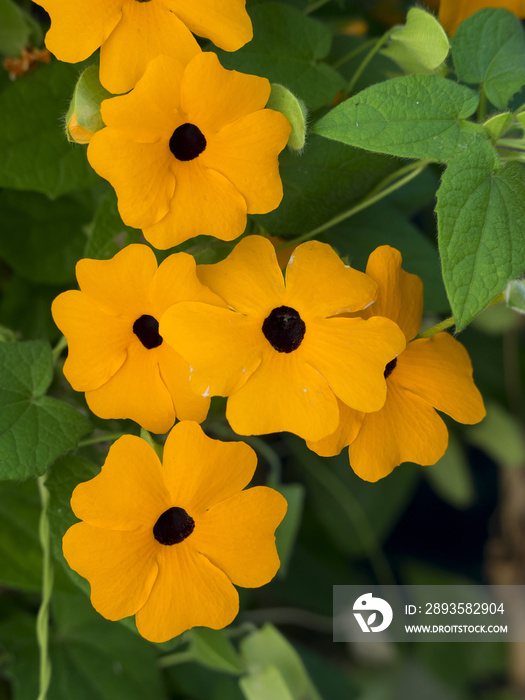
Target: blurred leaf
{"type": "Point", "coordinates": [496, 320]}
{"type": "Point", "coordinates": [191, 680]}
{"type": "Point", "coordinates": [15, 28]}
{"type": "Point", "coordinates": [107, 234]}
{"type": "Point", "coordinates": [34, 429]}
{"type": "Point", "coordinates": [416, 116]}
{"type": "Point", "coordinates": [516, 296]}
{"type": "Point", "coordinates": [213, 649]}
{"type": "Point", "coordinates": [91, 658]}
{"type": "Point", "coordinates": [481, 210]}
{"type": "Point", "coordinates": [34, 153]}
{"type": "Point", "coordinates": [267, 684]}
{"type": "Point", "coordinates": [287, 531]}
{"type": "Point", "coordinates": [42, 239]}
{"type": "Point", "coordinates": [288, 48]}
{"type": "Point", "coordinates": [65, 474]}
{"type": "Point", "coordinates": [356, 514]}
{"type": "Point", "coordinates": [26, 307]}
{"type": "Point", "coordinates": [489, 49]}
{"type": "Point", "coordinates": [500, 436]}
{"type": "Point", "coordinates": [451, 477]}
{"type": "Point", "coordinates": [266, 649]}
{"type": "Point", "coordinates": [324, 180]}
{"type": "Point", "coordinates": [20, 551]}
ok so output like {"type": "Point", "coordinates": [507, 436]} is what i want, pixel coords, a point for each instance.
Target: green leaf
{"type": "Point", "coordinates": [500, 436]}
{"type": "Point", "coordinates": [421, 45]}
{"type": "Point", "coordinates": [324, 180]}
{"type": "Point", "coordinates": [20, 551]}
{"type": "Point", "coordinates": [288, 48]}
{"type": "Point", "coordinates": [416, 116]}
{"type": "Point", "coordinates": [268, 648]}
{"type": "Point", "coordinates": [14, 28]}
{"type": "Point", "coordinates": [34, 429]}
{"type": "Point", "coordinates": [87, 98]}
{"type": "Point", "coordinates": [284, 101]}
{"type": "Point", "coordinates": [355, 513]}
{"type": "Point", "coordinates": [481, 216]}
{"type": "Point", "coordinates": [489, 48]}
{"type": "Point", "coordinates": [34, 154]}
{"type": "Point", "coordinates": [266, 684]}
{"type": "Point", "coordinates": [107, 234]}
{"type": "Point", "coordinates": [91, 658]}
{"type": "Point", "coordinates": [65, 474]}
{"type": "Point", "coordinates": [451, 477]}
{"type": "Point", "coordinates": [42, 239]}
{"type": "Point", "coordinates": [213, 649]}
{"type": "Point", "coordinates": [287, 531]}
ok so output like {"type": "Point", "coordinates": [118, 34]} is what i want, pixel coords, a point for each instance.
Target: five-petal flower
{"type": "Point", "coordinates": [431, 373]}
{"type": "Point", "coordinates": [280, 352]}
{"type": "Point", "coordinates": [166, 542]}
{"type": "Point", "coordinates": [116, 354]}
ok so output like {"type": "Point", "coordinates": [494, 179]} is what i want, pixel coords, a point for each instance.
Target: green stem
{"type": "Point", "coordinates": [42, 621]}
{"type": "Point", "coordinates": [178, 657]}
{"type": "Point", "coordinates": [57, 350]}
{"type": "Point", "coordinates": [369, 56]}
{"type": "Point", "coordinates": [109, 437]}
{"type": "Point", "coordinates": [354, 52]}
{"type": "Point", "coordinates": [441, 326]}
{"type": "Point", "coordinates": [315, 6]}
{"type": "Point", "coordinates": [409, 171]}
{"type": "Point", "coordinates": [355, 513]}
{"type": "Point", "coordinates": [482, 107]}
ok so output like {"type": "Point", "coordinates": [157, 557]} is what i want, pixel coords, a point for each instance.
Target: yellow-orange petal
{"type": "Point", "coordinates": [200, 472]}
{"type": "Point", "coordinates": [249, 279]}
{"type": "Point", "coordinates": [94, 356]}
{"type": "Point", "coordinates": [237, 535]}
{"type": "Point", "coordinates": [152, 109]}
{"type": "Point", "coordinates": [120, 566]}
{"type": "Point", "coordinates": [352, 355]}
{"type": "Point", "coordinates": [406, 429]}
{"type": "Point", "coordinates": [120, 286]}
{"type": "Point", "coordinates": [229, 29]}
{"type": "Point", "coordinates": [349, 424]}
{"type": "Point", "coordinates": [188, 592]}
{"type": "Point", "coordinates": [399, 293]}
{"type": "Point", "coordinates": [246, 153]}
{"type": "Point", "coordinates": [204, 202]}
{"type": "Point", "coordinates": [136, 391]}
{"type": "Point", "coordinates": [175, 374]}
{"type": "Point", "coordinates": [284, 393]}
{"type": "Point", "coordinates": [146, 30]}
{"type": "Point", "coordinates": [79, 28]}
{"type": "Point", "coordinates": [213, 96]}
{"type": "Point", "coordinates": [222, 347]}
{"type": "Point", "coordinates": [439, 370]}
{"type": "Point", "coordinates": [129, 492]}
{"type": "Point", "coordinates": [140, 173]}
{"type": "Point", "coordinates": [176, 280]}
{"type": "Point", "coordinates": [317, 279]}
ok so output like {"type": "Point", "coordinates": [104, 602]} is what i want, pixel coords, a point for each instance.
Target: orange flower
{"type": "Point", "coordinates": [131, 33]}
{"type": "Point", "coordinates": [191, 150]}
{"type": "Point", "coordinates": [431, 373]}
{"type": "Point", "coordinates": [167, 542]}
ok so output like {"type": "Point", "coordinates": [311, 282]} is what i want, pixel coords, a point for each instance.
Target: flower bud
{"type": "Point", "coordinates": [294, 109]}
{"type": "Point", "coordinates": [83, 116]}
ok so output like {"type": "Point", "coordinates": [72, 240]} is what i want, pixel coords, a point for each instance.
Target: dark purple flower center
{"type": "Point", "coordinates": [390, 367]}
{"type": "Point", "coordinates": [173, 526]}
{"type": "Point", "coordinates": [146, 328]}
{"type": "Point", "coordinates": [187, 142]}
{"type": "Point", "coordinates": [143, 0]}
{"type": "Point", "coordinates": [284, 329]}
